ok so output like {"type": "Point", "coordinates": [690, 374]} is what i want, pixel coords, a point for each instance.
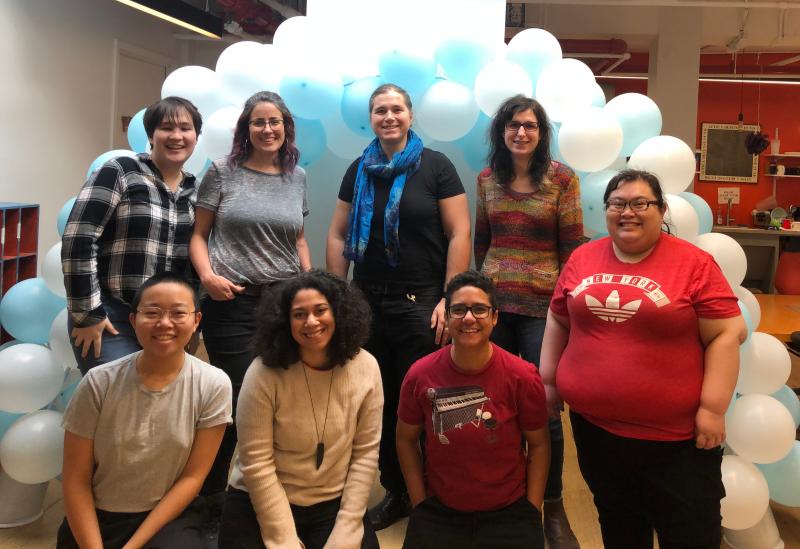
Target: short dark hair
{"type": "Point", "coordinates": [470, 278]}
{"type": "Point", "coordinates": [273, 340]}
{"type": "Point", "coordinates": [288, 155]}
{"type": "Point", "coordinates": [385, 88]}
{"type": "Point", "coordinates": [166, 277]}
{"type": "Point", "coordinates": [499, 158]}
{"type": "Point", "coordinates": [628, 176]}
{"type": "Point", "coordinates": [169, 108]}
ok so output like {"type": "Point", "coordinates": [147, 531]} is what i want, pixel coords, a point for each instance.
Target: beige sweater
{"type": "Point", "coordinates": [277, 445]}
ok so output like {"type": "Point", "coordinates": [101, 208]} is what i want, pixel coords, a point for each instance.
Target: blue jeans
{"type": "Point", "coordinates": [522, 335]}
{"type": "Point", "coordinates": [113, 346]}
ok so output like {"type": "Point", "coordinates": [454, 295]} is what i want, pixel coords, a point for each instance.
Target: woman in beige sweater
{"type": "Point", "coordinates": [309, 423]}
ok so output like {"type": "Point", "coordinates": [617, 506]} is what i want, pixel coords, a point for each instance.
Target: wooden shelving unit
{"type": "Point", "coordinates": [19, 240]}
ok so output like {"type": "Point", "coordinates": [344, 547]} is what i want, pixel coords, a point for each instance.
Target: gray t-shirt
{"type": "Point", "coordinates": [143, 438]}
{"type": "Point", "coordinates": [258, 219]}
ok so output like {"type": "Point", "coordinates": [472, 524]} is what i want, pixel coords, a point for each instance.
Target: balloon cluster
{"type": "Point", "coordinates": [37, 371]}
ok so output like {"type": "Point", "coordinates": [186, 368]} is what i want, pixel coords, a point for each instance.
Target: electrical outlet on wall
{"type": "Point", "coordinates": [728, 193]}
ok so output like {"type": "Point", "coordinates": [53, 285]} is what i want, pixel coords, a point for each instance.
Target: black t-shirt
{"type": "Point", "coordinates": [422, 260]}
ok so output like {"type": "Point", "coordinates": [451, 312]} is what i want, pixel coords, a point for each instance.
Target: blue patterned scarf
{"type": "Point", "coordinates": [375, 164]}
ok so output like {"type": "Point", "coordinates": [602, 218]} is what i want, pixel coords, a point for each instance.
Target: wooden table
{"type": "Point", "coordinates": [757, 240]}
{"type": "Point", "coordinates": [780, 315]}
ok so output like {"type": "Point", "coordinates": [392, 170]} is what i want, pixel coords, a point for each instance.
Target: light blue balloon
{"type": "Point", "coordinates": [310, 140]}
{"type": "Point", "coordinates": [66, 394]}
{"type": "Point", "coordinates": [599, 96]}
{"type": "Point", "coordinates": [6, 420]}
{"type": "Point", "coordinates": [63, 215]}
{"type": "Point", "coordinates": [355, 104]}
{"type": "Point", "coordinates": [704, 213]}
{"type": "Point", "coordinates": [555, 153]}
{"type": "Point", "coordinates": [598, 236]}
{"type": "Point", "coordinates": [593, 187]}
{"type": "Point", "coordinates": [783, 478]}
{"type": "Point", "coordinates": [748, 320]}
{"type": "Point", "coordinates": [137, 136]}
{"type": "Point", "coordinates": [639, 117]}
{"type": "Point", "coordinates": [413, 73]}
{"type": "Point", "coordinates": [310, 97]}
{"type": "Point", "coordinates": [786, 396]}
{"type": "Point", "coordinates": [105, 157]}
{"type": "Point", "coordinates": [475, 145]}
{"type": "Point", "coordinates": [463, 58]}
{"type": "Point", "coordinates": [28, 310]}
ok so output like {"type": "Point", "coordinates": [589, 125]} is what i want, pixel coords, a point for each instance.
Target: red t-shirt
{"type": "Point", "coordinates": [633, 364]}
{"type": "Point", "coordinates": [474, 456]}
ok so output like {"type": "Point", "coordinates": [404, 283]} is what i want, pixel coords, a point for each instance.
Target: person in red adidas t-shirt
{"type": "Point", "coordinates": [642, 342]}
{"type": "Point", "coordinates": [476, 404]}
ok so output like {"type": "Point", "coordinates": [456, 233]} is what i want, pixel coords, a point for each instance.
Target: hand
{"type": "Point", "coordinates": [554, 402]}
{"type": "Point", "coordinates": [220, 288]}
{"type": "Point", "coordinates": [92, 335]}
{"type": "Point", "coordinates": [709, 429]}
{"type": "Point", "coordinates": [439, 322]}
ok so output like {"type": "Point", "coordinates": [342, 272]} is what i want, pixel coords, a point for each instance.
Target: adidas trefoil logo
{"type": "Point", "coordinates": [611, 311]}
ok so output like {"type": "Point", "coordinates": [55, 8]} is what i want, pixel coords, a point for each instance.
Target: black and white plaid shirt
{"type": "Point", "coordinates": [126, 226]}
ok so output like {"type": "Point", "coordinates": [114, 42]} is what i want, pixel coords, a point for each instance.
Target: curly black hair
{"type": "Point", "coordinates": [273, 340]}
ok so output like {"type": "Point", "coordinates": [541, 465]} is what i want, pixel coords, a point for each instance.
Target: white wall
{"type": "Point", "coordinates": [56, 98]}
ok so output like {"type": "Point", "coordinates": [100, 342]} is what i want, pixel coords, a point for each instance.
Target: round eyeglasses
{"type": "Point", "coordinates": [154, 314]}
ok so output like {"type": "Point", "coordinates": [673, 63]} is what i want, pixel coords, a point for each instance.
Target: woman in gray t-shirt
{"type": "Point", "coordinates": [248, 235]}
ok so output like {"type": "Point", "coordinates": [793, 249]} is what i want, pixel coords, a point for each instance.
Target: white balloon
{"type": "Point", "coordinates": [564, 87]}
{"type": "Point", "coordinates": [245, 68]}
{"type": "Point", "coordinates": [342, 141]}
{"type": "Point", "coordinates": [682, 218]}
{"type": "Point", "coordinates": [498, 81]}
{"type": "Point", "coordinates": [750, 301]}
{"type": "Point", "coordinates": [639, 117]}
{"type": "Point", "coordinates": [533, 49]}
{"type": "Point", "coordinates": [760, 429]}
{"type": "Point", "coordinates": [51, 271]}
{"type": "Point", "coordinates": [590, 140]}
{"type": "Point", "coordinates": [667, 157]}
{"type": "Point", "coordinates": [765, 365]}
{"type": "Point", "coordinates": [296, 36]}
{"type": "Point", "coordinates": [60, 344]}
{"type": "Point", "coordinates": [447, 111]}
{"type": "Point", "coordinates": [30, 378]}
{"type": "Point", "coordinates": [728, 254]}
{"type": "Point", "coordinates": [199, 85]}
{"type": "Point", "coordinates": [32, 450]}
{"type": "Point", "coordinates": [218, 132]}
{"type": "Point", "coordinates": [746, 493]}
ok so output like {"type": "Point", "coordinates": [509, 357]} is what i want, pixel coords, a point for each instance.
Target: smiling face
{"type": "Point", "coordinates": [173, 140]}
{"type": "Point", "coordinates": [391, 119]}
{"type": "Point", "coordinates": [269, 137]}
{"type": "Point", "coordinates": [162, 325]}
{"type": "Point", "coordinates": [522, 143]}
{"type": "Point", "coordinates": [470, 331]}
{"type": "Point", "coordinates": [634, 232]}
{"type": "Point", "coordinates": [312, 323]}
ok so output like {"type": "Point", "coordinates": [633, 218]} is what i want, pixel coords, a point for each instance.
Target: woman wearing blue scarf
{"type": "Point", "coordinates": [402, 218]}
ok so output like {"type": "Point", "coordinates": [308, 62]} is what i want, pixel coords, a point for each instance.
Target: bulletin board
{"type": "Point", "coordinates": [723, 155]}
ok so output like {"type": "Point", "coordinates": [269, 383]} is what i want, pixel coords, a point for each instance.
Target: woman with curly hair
{"type": "Point", "coordinates": [248, 234]}
{"type": "Point", "coordinates": [309, 423]}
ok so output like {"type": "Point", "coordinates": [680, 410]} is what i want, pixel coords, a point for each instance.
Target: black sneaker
{"type": "Point", "coordinates": [393, 507]}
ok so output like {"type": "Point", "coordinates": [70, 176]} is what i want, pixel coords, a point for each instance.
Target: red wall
{"type": "Point", "coordinates": [777, 107]}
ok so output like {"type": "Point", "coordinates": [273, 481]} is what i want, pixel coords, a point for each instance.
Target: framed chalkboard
{"type": "Point", "coordinates": [723, 155]}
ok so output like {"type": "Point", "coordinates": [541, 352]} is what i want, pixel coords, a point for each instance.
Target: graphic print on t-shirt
{"type": "Point", "coordinates": [456, 407]}
{"type": "Point", "coordinates": [608, 307]}
{"type": "Point", "coordinates": [611, 311]}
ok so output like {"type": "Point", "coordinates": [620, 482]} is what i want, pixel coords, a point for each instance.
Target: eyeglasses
{"type": "Point", "coordinates": [636, 205]}
{"type": "Point", "coordinates": [479, 310]}
{"type": "Point", "coordinates": [530, 127]}
{"type": "Point", "coordinates": [261, 123]}
{"type": "Point", "coordinates": [154, 314]}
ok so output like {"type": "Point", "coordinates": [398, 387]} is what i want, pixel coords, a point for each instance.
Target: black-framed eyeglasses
{"type": "Point", "coordinates": [479, 310]}
{"type": "Point", "coordinates": [514, 126]}
{"type": "Point", "coordinates": [261, 123]}
{"type": "Point", "coordinates": [636, 205]}
{"type": "Point", "coordinates": [154, 314]}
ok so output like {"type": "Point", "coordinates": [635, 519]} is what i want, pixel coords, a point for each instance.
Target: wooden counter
{"type": "Point", "coordinates": [762, 247]}
{"type": "Point", "coordinates": [780, 315]}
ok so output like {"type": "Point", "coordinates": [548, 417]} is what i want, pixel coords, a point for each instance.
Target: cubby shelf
{"type": "Point", "coordinates": [19, 240]}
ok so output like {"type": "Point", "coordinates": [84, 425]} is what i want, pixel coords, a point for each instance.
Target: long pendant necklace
{"type": "Point", "coordinates": [320, 439]}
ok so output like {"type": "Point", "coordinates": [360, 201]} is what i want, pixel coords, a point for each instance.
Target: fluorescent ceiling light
{"type": "Point", "coordinates": [180, 14]}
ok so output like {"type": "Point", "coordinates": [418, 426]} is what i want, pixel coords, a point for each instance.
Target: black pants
{"type": "Point", "coordinates": [642, 485]}
{"type": "Point", "coordinates": [401, 335]}
{"type": "Point", "coordinates": [314, 524]}
{"type": "Point", "coordinates": [228, 330]}
{"type": "Point", "coordinates": [186, 531]}
{"type": "Point", "coordinates": [434, 526]}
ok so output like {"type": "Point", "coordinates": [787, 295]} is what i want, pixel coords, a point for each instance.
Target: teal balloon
{"type": "Point", "coordinates": [639, 117]}
{"type": "Point", "coordinates": [137, 136]}
{"type": "Point", "coordinates": [786, 396]}
{"type": "Point", "coordinates": [414, 73]}
{"type": "Point", "coordinates": [748, 319]}
{"type": "Point", "coordinates": [105, 157]}
{"type": "Point", "coordinates": [28, 309]}
{"type": "Point", "coordinates": [63, 215]}
{"type": "Point", "coordinates": [475, 145]}
{"type": "Point", "coordinates": [593, 187]}
{"type": "Point", "coordinates": [783, 478]}
{"type": "Point", "coordinates": [310, 140]}
{"type": "Point", "coordinates": [555, 153]}
{"type": "Point", "coordinates": [355, 104]}
{"type": "Point", "coordinates": [66, 394]}
{"type": "Point", "coordinates": [310, 97]}
{"type": "Point", "coordinates": [704, 213]}
{"type": "Point", "coordinates": [6, 420]}
{"type": "Point", "coordinates": [463, 58]}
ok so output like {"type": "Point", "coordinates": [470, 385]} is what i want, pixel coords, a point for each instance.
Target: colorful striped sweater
{"type": "Point", "coordinates": [522, 240]}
